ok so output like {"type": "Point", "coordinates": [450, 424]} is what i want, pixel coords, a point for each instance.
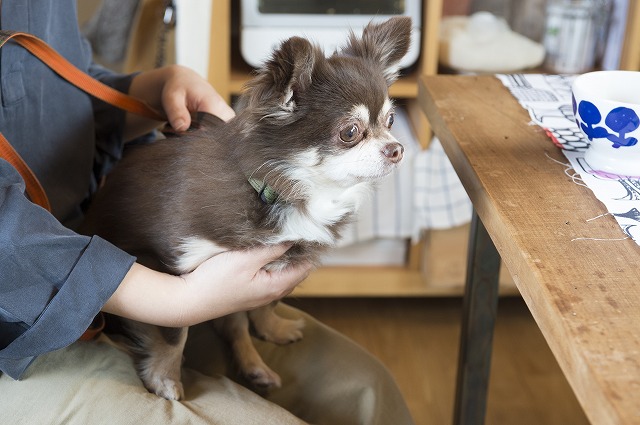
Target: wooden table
{"type": "Point", "coordinates": [583, 294]}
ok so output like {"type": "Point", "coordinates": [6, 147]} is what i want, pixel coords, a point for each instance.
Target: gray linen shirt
{"type": "Point", "coordinates": [53, 281]}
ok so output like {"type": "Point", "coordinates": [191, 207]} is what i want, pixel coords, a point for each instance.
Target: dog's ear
{"type": "Point", "coordinates": [385, 43]}
{"type": "Point", "coordinates": [292, 67]}
{"type": "Point", "coordinates": [284, 77]}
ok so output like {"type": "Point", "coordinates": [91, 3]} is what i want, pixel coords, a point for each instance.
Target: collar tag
{"type": "Point", "coordinates": [265, 192]}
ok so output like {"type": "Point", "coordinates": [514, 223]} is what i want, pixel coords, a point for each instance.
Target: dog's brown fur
{"type": "Point", "coordinates": [176, 202]}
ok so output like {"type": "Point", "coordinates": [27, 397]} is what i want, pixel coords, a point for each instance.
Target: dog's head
{"type": "Point", "coordinates": [329, 115]}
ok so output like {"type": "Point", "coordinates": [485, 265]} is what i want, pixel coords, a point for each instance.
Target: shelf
{"type": "Point", "coordinates": [435, 268]}
{"type": "Point", "coordinates": [383, 282]}
{"type": "Point", "coordinates": [362, 281]}
{"type": "Point", "coordinates": [405, 88]}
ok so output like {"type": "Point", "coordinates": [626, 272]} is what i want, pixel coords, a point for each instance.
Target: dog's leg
{"type": "Point", "coordinates": [235, 329]}
{"type": "Point", "coordinates": [158, 357]}
{"type": "Point", "coordinates": [271, 327]}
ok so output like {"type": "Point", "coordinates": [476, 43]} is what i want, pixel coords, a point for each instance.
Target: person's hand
{"type": "Point", "coordinates": [226, 283]}
{"type": "Point", "coordinates": [178, 92]}
{"type": "Point", "coordinates": [237, 281]}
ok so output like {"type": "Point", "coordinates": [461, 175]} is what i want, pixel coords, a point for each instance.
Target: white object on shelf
{"type": "Point", "coordinates": [484, 42]}
{"type": "Point", "coordinates": [262, 30]}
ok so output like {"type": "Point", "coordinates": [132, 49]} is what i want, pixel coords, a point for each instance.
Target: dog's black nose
{"type": "Point", "coordinates": [393, 151]}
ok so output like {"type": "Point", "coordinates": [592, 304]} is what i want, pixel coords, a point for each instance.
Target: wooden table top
{"type": "Point", "coordinates": [583, 294]}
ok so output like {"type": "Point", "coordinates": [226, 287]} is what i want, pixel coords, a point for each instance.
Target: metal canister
{"type": "Point", "coordinates": [574, 34]}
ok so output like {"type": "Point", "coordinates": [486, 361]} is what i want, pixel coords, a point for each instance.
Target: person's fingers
{"type": "Point", "coordinates": [175, 106]}
{"type": "Point", "coordinates": [215, 105]}
{"type": "Point", "coordinates": [281, 283]}
{"type": "Point", "coordinates": [296, 274]}
{"type": "Point", "coordinates": [266, 254]}
{"type": "Point", "coordinates": [179, 107]}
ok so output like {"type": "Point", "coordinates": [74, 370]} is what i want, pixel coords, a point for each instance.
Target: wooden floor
{"type": "Point", "coordinates": [418, 340]}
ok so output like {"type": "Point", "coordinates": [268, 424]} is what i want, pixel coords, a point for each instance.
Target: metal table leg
{"type": "Point", "coordinates": [478, 320]}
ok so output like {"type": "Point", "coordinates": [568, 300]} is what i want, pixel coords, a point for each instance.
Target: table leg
{"type": "Point", "coordinates": [478, 320]}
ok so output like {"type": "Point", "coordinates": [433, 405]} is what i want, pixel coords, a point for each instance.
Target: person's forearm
{"type": "Point", "coordinates": [150, 297]}
{"type": "Point", "coordinates": [228, 282]}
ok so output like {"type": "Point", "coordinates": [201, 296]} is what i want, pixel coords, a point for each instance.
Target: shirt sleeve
{"type": "Point", "coordinates": [52, 281]}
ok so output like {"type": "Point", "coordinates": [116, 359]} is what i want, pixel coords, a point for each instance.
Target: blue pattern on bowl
{"type": "Point", "coordinates": [617, 124]}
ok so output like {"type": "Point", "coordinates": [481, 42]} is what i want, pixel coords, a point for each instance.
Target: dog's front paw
{"type": "Point", "coordinates": [261, 377]}
{"type": "Point", "coordinates": [280, 331]}
{"type": "Point", "coordinates": [166, 388]}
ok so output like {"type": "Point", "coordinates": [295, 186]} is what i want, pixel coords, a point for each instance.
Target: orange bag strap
{"type": "Point", "coordinates": [33, 187]}
{"type": "Point", "coordinates": [78, 78]}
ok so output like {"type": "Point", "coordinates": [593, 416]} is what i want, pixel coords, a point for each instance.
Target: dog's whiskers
{"type": "Point", "coordinates": [270, 162]}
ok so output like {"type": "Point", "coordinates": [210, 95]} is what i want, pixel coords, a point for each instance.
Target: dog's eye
{"type": "Point", "coordinates": [349, 133]}
{"type": "Point", "coordinates": [390, 120]}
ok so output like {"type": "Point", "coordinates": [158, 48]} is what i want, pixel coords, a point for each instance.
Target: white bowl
{"type": "Point", "coordinates": [606, 106]}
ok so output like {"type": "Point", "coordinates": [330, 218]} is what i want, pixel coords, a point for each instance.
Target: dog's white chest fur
{"type": "Point", "coordinates": [325, 207]}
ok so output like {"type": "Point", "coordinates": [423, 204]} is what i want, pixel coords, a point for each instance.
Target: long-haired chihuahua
{"type": "Point", "coordinates": [310, 138]}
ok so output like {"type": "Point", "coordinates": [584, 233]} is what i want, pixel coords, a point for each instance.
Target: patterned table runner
{"type": "Point", "coordinates": [548, 100]}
